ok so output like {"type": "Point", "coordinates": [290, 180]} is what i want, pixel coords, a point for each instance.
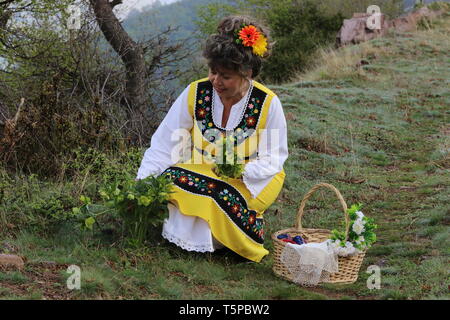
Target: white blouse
{"type": "Point", "coordinates": [192, 233]}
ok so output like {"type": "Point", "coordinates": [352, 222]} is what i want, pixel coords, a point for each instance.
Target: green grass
{"type": "Point", "coordinates": [380, 134]}
{"type": "Point", "coordinates": [14, 277]}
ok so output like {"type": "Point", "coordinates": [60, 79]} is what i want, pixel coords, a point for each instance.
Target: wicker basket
{"type": "Point", "coordinates": [348, 266]}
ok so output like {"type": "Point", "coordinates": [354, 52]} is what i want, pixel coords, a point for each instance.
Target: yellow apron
{"type": "Point", "coordinates": [234, 217]}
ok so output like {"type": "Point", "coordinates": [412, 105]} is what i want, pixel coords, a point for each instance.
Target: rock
{"type": "Point", "coordinates": [356, 29]}
{"type": "Point", "coordinates": [408, 22]}
{"type": "Point", "coordinates": [11, 260]}
{"type": "Point", "coordinates": [404, 24]}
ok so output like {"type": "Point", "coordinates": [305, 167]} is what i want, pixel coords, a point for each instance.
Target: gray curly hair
{"type": "Point", "coordinates": [222, 51]}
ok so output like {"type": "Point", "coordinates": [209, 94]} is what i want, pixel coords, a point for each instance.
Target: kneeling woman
{"type": "Point", "coordinates": [207, 211]}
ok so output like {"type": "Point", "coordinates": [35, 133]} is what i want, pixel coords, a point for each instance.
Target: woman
{"type": "Point", "coordinates": [206, 211]}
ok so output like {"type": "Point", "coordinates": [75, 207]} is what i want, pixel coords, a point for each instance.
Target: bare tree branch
{"type": "Point", "coordinates": [6, 2]}
{"type": "Point", "coordinates": [4, 18]}
{"type": "Point", "coordinates": [115, 3]}
{"type": "Point", "coordinates": [129, 51]}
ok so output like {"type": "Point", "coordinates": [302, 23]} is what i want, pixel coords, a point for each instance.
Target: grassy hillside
{"type": "Point", "coordinates": [371, 119]}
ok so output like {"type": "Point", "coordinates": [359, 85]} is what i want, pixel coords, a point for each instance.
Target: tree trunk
{"type": "Point", "coordinates": [5, 14]}
{"type": "Point", "coordinates": [131, 53]}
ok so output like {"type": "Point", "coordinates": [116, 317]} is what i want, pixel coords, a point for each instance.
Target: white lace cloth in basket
{"type": "Point", "coordinates": [310, 263]}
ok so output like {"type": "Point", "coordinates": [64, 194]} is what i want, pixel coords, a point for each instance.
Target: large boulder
{"type": "Point", "coordinates": [357, 29]}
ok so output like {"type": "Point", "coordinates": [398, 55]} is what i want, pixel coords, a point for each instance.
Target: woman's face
{"type": "Point", "coordinates": [228, 83]}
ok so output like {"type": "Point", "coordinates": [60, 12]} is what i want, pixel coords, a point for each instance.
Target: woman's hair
{"type": "Point", "coordinates": [221, 49]}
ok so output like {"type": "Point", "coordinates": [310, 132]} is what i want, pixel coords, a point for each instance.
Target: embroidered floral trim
{"type": "Point", "coordinates": [226, 196]}
{"type": "Point", "coordinates": [203, 108]}
{"type": "Point", "coordinates": [204, 116]}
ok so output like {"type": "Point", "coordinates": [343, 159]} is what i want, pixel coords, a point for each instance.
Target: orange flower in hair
{"type": "Point", "coordinates": [249, 35]}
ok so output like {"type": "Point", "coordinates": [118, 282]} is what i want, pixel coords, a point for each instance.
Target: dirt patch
{"type": "Point", "coordinates": [315, 145]}
{"type": "Point", "coordinates": [391, 168]}
{"type": "Point", "coordinates": [42, 278]}
{"type": "Point", "coordinates": [334, 295]}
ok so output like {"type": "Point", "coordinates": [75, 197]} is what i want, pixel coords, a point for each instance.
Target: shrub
{"type": "Point", "coordinates": [48, 129]}
{"type": "Point", "coordinates": [28, 203]}
{"type": "Point", "coordinates": [137, 205]}
{"type": "Point", "coordinates": [298, 28]}
{"type": "Point", "coordinates": [107, 167]}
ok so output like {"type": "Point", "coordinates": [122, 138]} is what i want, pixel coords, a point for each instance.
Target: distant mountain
{"type": "Point", "coordinates": [143, 24]}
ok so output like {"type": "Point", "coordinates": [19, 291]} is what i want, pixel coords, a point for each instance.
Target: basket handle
{"type": "Point", "coordinates": [298, 224]}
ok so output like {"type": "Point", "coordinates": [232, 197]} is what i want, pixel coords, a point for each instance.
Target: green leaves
{"type": "Point", "coordinates": [89, 222]}
{"type": "Point", "coordinates": [85, 200]}
{"type": "Point", "coordinates": [232, 166]}
{"type": "Point", "coordinates": [338, 235]}
{"type": "Point", "coordinates": [352, 211]}
{"type": "Point", "coordinates": [144, 201]}
{"type": "Point", "coordinates": [137, 205]}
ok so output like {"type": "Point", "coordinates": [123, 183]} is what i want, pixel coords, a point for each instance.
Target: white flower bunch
{"type": "Point", "coordinates": [358, 225]}
{"type": "Point", "coordinates": [360, 237]}
{"type": "Point", "coordinates": [344, 248]}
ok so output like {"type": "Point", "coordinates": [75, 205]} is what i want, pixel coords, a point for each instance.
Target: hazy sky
{"type": "Point", "coordinates": [128, 5]}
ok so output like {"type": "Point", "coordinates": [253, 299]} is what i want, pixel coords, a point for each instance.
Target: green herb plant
{"type": "Point", "coordinates": [138, 205]}
{"type": "Point", "coordinates": [228, 164]}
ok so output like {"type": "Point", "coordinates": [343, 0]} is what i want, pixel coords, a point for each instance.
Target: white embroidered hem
{"type": "Point", "coordinates": [189, 246]}
{"type": "Point", "coordinates": [189, 233]}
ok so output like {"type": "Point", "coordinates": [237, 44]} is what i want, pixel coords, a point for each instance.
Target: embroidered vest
{"type": "Point", "coordinates": [205, 133]}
